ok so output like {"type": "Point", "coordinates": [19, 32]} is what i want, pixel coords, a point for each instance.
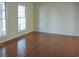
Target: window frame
{"type": "Point", "coordinates": [19, 29]}
{"type": "Point", "coordinates": [5, 10]}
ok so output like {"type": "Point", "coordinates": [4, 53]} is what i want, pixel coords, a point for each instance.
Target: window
{"type": "Point", "coordinates": [21, 18]}
{"type": "Point", "coordinates": [2, 19]}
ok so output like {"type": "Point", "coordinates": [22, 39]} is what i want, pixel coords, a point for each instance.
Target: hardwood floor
{"type": "Point", "coordinates": [38, 44]}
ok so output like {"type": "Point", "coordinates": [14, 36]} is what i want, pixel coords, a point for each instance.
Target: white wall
{"type": "Point", "coordinates": [76, 20]}
{"type": "Point", "coordinates": [52, 17]}
{"type": "Point", "coordinates": [57, 17]}
{"type": "Point", "coordinates": [12, 18]}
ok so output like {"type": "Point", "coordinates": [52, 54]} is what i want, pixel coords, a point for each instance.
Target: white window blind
{"type": "Point", "coordinates": [2, 19]}
{"type": "Point", "coordinates": [21, 18]}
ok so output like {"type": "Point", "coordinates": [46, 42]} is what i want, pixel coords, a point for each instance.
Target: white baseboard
{"type": "Point", "coordinates": [13, 37]}
{"type": "Point", "coordinates": [60, 33]}
{"type": "Point", "coordinates": [37, 31]}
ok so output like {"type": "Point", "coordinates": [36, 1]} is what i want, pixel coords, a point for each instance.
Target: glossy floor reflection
{"type": "Point", "coordinates": [38, 44]}
{"type": "Point", "coordinates": [21, 47]}
{"type": "Point", "coordinates": [2, 52]}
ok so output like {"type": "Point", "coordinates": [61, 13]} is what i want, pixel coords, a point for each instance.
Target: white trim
{"type": "Point", "coordinates": [14, 37]}
{"type": "Point", "coordinates": [37, 31]}
{"type": "Point", "coordinates": [60, 33]}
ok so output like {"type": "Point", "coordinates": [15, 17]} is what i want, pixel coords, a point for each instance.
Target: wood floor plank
{"type": "Point", "coordinates": [40, 44]}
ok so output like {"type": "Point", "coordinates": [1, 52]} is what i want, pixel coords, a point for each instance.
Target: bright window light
{"type": "Point", "coordinates": [21, 18]}
{"type": "Point", "coordinates": [2, 19]}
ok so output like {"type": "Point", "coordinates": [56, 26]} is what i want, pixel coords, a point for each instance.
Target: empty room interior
{"type": "Point", "coordinates": [39, 29]}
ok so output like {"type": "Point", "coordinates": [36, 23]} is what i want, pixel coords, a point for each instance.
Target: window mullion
{"type": "Point", "coordinates": [21, 17]}
{"type": "Point", "coordinates": [2, 19]}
